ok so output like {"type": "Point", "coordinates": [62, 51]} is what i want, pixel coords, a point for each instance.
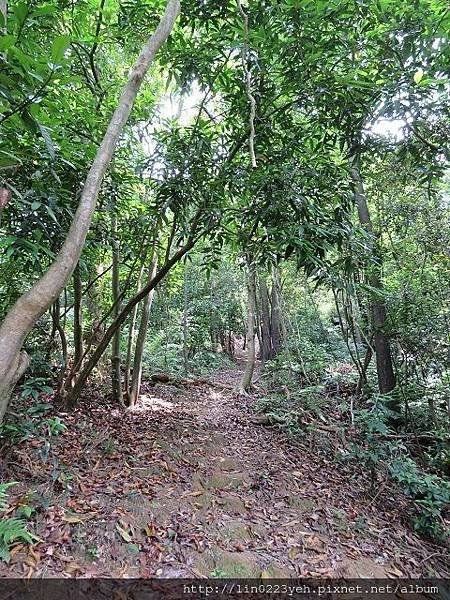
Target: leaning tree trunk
{"type": "Point", "coordinates": [22, 317]}
{"type": "Point", "coordinates": [142, 335]}
{"type": "Point", "coordinates": [246, 380]}
{"type": "Point", "coordinates": [385, 371]}
{"type": "Point", "coordinates": [74, 393]}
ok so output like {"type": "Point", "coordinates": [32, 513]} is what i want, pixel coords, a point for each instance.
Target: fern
{"type": "Point", "coordinates": [13, 530]}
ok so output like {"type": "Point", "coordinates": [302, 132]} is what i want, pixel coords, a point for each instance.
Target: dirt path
{"type": "Point", "coordinates": [188, 485]}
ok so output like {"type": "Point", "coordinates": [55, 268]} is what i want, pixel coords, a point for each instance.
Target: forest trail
{"type": "Point", "coordinates": [188, 485]}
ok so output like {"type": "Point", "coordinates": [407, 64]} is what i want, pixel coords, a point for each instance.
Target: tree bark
{"type": "Point", "coordinates": [4, 13]}
{"type": "Point", "coordinates": [142, 334]}
{"type": "Point", "coordinates": [266, 338]}
{"type": "Point", "coordinates": [5, 197]}
{"type": "Point", "coordinates": [73, 394]}
{"type": "Point", "coordinates": [185, 322]}
{"type": "Point", "coordinates": [56, 316]}
{"type": "Point", "coordinates": [131, 338]}
{"type": "Point", "coordinates": [246, 380]}
{"type": "Point", "coordinates": [276, 317]}
{"type": "Point", "coordinates": [116, 373]}
{"type": "Point", "coordinates": [385, 371]}
{"type": "Point", "coordinates": [23, 315]}
{"type": "Point", "coordinates": [77, 317]}
{"type": "Point", "coordinates": [93, 295]}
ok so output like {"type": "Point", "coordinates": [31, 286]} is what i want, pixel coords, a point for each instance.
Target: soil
{"type": "Point", "coordinates": [188, 484]}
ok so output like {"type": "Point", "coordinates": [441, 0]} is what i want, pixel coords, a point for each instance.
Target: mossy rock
{"type": "Point", "coordinates": [276, 571]}
{"type": "Point", "coordinates": [205, 500]}
{"type": "Point", "coordinates": [232, 505]}
{"type": "Point", "coordinates": [227, 464]}
{"type": "Point", "coordinates": [235, 531]}
{"type": "Point", "coordinates": [226, 481]}
{"type": "Point", "coordinates": [303, 505]}
{"type": "Point", "coordinates": [216, 562]}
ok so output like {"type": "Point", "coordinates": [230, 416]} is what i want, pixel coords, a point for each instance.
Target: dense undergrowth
{"type": "Point", "coordinates": [313, 388]}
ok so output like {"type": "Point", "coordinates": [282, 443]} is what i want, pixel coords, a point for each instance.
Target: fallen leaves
{"type": "Point", "coordinates": [135, 508]}
{"type": "Point", "coordinates": [123, 534]}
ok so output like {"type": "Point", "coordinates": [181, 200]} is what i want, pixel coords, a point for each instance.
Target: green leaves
{"type": "Point", "coordinates": [21, 12]}
{"type": "Point", "coordinates": [6, 41]}
{"type": "Point", "coordinates": [13, 530]}
{"type": "Point", "coordinates": [59, 47]}
{"type": "Point", "coordinates": [45, 133]}
{"type": "Point", "coordinates": [8, 160]}
{"type": "Point", "coordinates": [418, 76]}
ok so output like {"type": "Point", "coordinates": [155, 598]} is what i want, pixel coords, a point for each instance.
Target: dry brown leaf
{"type": "Point", "coordinates": [73, 518]}
{"type": "Point", "coordinates": [393, 572]}
{"type": "Point", "coordinates": [123, 534]}
{"type": "Point", "coordinates": [72, 568]}
{"type": "Point", "coordinates": [314, 543]}
{"type": "Point", "coordinates": [196, 493]}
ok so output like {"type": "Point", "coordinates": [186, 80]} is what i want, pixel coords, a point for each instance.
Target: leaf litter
{"type": "Point", "coordinates": [188, 485]}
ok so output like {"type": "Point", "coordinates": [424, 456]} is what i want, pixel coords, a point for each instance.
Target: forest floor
{"type": "Point", "coordinates": [189, 485]}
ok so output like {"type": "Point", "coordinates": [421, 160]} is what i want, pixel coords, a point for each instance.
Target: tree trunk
{"type": "Point", "coordinates": [131, 338]}
{"type": "Point", "coordinates": [23, 315]}
{"type": "Point", "coordinates": [116, 373]}
{"type": "Point", "coordinates": [246, 380]}
{"type": "Point", "coordinates": [74, 394]}
{"type": "Point", "coordinates": [276, 320]}
{"type": "Point", "coordinates": [142, 334]}
{"type": "Point", "coordinates": [77, 317]}
{"type": "Point", "coordinates": [266, 339]}
{"type": "Point", "coordinates": [93, 296]}
{"type": "Point", "coordinates": [185, 322]}
{"type": "Point", "coordinates": [5, 197]}
{"type": "Point", "coordinates": [385, 371]}
{"type": "Point", "coordinates": [56, 316]}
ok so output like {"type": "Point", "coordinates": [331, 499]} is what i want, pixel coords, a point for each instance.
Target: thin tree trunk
{"type": "Point", "coordinates": [131, 338]}
{"type": "Point", "coordinates": [23, 315]}
{"type": "Point", "coordinates": [246, 380]}
{"type": "Point", "coordinates": [185, 322]}
{"type": "Point", "coordinates": [5, 197]}
{"type": "Point", "coordinates": [73, 394]}
{"type": "Point", "coordinates": [266, 340]}
{"type": "Point", "coordinates": [77, 317]}
{"type": "Point", "coordinates": [140, 342]}
{"type": "Point", "coordinates": [56, 316]}
{"type": "Point", "coordinates": [93, 294]}
{"type": "Point", "coordinates": [385, 371]}
{"type": "Point", "coordinates": [276, 316]}
{"type": "Point", "coordinates": [116, 373]}
{"type": "Point", "coordinates": [363, 375]}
